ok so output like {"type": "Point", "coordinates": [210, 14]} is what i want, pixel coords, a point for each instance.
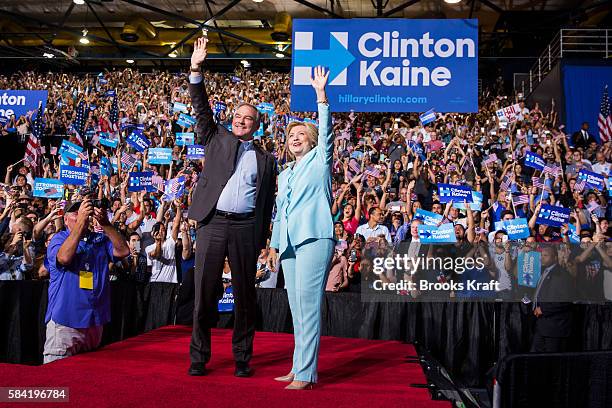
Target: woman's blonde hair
{"type": "Point", "coordinates": [311, 131]}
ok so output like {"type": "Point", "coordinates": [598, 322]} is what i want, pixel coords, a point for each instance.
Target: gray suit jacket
{"type": "Point", "coordinates": [221, 150]}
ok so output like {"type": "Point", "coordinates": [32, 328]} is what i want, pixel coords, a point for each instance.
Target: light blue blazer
{"type": "Point", "coordinates": [303, 202]}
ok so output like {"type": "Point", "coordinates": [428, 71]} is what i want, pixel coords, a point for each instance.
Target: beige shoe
{"type": "Point", "coordinates": [300, 385]}
{"type": "Point", "coordinates": [285, 378]}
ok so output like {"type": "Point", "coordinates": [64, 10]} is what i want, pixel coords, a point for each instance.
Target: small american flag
{"type": "Point", "coordinates": [157, 181]}
{"type": "Point", "coordinates": [491, 159]}
{"type": "Point", "coordinates": [505, 184]}
{"type": "Point", "coordinates": [552, 169]}
{"type": "Point", "coordinates": [32, 151]}
{"type": "Point", "coordinates": [592, 206]}
{"type": "Point", "coordinates": [128, 160]}
{"type": "Point", "coordinates": [53, 150]}
{"type": "Point", "coordinates": [604, 121]}
{"type": "Point", "coordinates": [371, 171]}
{"type": "Point", "coordinates": [174, 188]}
{"type": "Point", "coordinates": [353, 165]}
{"type": "Point", "coordinates": [520, 199]}
{"type": "Point", "coordinates": [114, 113]}
{"type": "Point", "coordinates": [79, 123]}
{"type": "Point", "coordinates": [537, 182]}
{"type": "Point", "coordinates": [579, 186]}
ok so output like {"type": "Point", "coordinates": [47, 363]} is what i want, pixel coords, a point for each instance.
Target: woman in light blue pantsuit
{"type": "Point", "coordinates": [303, 231]}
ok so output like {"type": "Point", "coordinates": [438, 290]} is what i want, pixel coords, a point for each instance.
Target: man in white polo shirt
{"type": "Point", "coordinates": [373, 229]}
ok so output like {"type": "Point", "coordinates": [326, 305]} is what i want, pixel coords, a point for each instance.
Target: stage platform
{"type": "Point", "coordinates": [150, 370]}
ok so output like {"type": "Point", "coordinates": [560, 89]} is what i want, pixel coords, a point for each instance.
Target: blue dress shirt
{"type": "Point", "coordinates": [69, 305]}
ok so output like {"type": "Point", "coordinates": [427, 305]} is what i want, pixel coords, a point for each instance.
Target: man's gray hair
{"type": "Point", "coordinates": [257, 114]}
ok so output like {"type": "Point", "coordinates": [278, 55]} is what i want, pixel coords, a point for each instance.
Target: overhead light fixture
{"type": "Point", "coordinates": [84, 39]}
{"type": "Point", "coordinates": [452, 1]}
{"type": "Point", "coordinates": [244, 62]}
{"type": "Point", "coordinates": [280, 55]}
{"type": "Point", "coordinates": [48, 55]}
{"type": "Point", "coordinates": [258, 1]}
{"type": "Point", "coordinates": [172, 55]}
{"type": "Point", "coordinates": [78, 2]}
{"type": "Point", "coordinates": [129, 61]}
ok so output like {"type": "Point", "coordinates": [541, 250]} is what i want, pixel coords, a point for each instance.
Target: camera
{"type": "Point", "coordinates": [353, 256]}
{"type": "Point", "coordinates": [101, 203]}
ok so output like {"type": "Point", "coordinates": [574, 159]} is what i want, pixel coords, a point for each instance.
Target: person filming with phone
{"type": "Point", "coordinates": [79, 290]}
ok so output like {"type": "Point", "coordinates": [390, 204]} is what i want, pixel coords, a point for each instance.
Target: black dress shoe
{"type": "Point", "coordinates": [197, 369]}
{"type": "Point", "coordinates": [243, 370]}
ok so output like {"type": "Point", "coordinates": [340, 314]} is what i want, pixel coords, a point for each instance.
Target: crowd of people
{"type": "Point", "coordinates": [386, 167]}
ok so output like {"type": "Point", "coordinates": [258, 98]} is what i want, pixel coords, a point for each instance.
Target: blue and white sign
{"type": "Point", "coordinates": [226, 303]}
{"type": "Point", "coordinates": [160, 155]}
{"type": "Point", "coordinates": [593, 180]}
{"type": "Point", "coordinates": [475, 205]}
{"type": "Point", "coordinates": [179, 107]}
{"type": "Point", "coordinates": [574, 238]}
{"type": "Point", "coordinates": [106, 140]}
{"type": "Point", "coordinates": [184, 139]}
{"type": "Point", "coordinates": [70, 150]}
{"type": "Point", "coordinates": [428, 217]}
{"type": "Point", "coordinates": [106, 168]}
{"type": "Point", "coordinates": [429, 234]}
{"type": "Point", "coordinates": [186, 120]}
{"type": "Point", "coordinates": [48, 188]}
{"type": "Point", "coordinates": [19, 103]}
{"type": "Point", "coordinates": [529, 268]}
{"type": "Point", "coordinates": [266, 107]}
{"type": "Point", "coordinates": [534, 160]}
{"type": "Point", "coordinates": [454, 193]}
{"type": "Point", "coordinates": [553, 216]}
{"type": "Point", "coordinates": [141, 181]}
{"type": "Point", "coordinates": [401, 65]}
{"type": "Point", "coordinates": [195, 152]}
{"type": "Point", "coordinates": [517, 228]}
{"type": "Point", "coordinates": [74, 175]}
{"type": "Point", "coordinates": [427, 117]}
{"type": "Point", "coordinates": [138, 140]}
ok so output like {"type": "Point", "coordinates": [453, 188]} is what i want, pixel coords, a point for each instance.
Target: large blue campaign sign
{"type": "Point", "coordinates": [138, 140]}
{"type": "Point", "coordinates": [74, 175]}
{"type": "Point", "coordinates": [430, 234]}
{"type": "Point", "coordinates": [529, 268]}
{"type": "Point", "coordinates": [553, 216]}
{"type": "Point", "coordinates": [534, 161]}
{"type": "Point", "coordinates": [195, 152]}
{"type": "Point", "coordinates": [517, 228]}
{"type": "Point", "coordinates": [226, 303]}
{"type": "Point", "coordinates": [48, 188]}
{"type": "Point", "coordinates": [428, 217]}
{"type": "Point", "coordinates": [160, 155]}
{"type": "Point", "coordinates": [593, 180]}
{"type": "Point", "coordinates": [70, 150]}
{"type": "Point", "coordinates": [454, 193]}
{"type": "Point", "coordinates": [399, 65]}
{"type": "Point", "coordinates": [184, 139]}
{"type": "Point", "coordinates": [141, 181]}
{"type": "Point", "coordinates": [19, 103]}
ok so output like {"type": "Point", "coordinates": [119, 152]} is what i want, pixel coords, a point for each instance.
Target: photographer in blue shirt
{"type": "Point", "coordinates": [79, 294]}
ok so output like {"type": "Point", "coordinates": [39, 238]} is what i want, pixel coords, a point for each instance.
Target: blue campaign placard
{"type": "Point", "coordinates": [430, 234]}
{"type": "Point", "coordinates": [70, 150]}
{"type": "Point", "coordinates": [184, 139]}
{"type": "Point", "coordinates": [534, 160]}
{"type": "Point", "coordinates": [226, 303]}
{"type": "Point", "coordinates": [428, 217]}
{"type": "Point", "coordinates": [186, 120]}
{"type": "Point", "coordinates": [20, 102]}
{"type": "Point", "coordinates": [399, 65]}
{"type": "Point", "coordinates": [553, 216]}
{"type": "Point", "coordinates": [454, 193]}
{"type": "Point", "coordinates": [141, 181]}
{"type": "Point", "coordinates": [593, 180]}
{"type": "Point", "coordinates": [266, 107]}
{"type": "Point", "coordinates": [48, 188]}
{"type": "Point", "coordinates": [195, 152]}
{"type": "Point", "coordinates": [574, 238]}
{"type": "Point", "coordinates": [475, 205]}
{"type": "Point", "coordinates": [529, 266]}
{"type": "Point", "coordinates": [179, 107]}
{"type": "Point", "coordinates": [105, 140]}
{"type": "Point", "coordinates": [160, 155]}
{"type": "Point", "coordinates": [517, 228]}
{"type": "Point", "coordinates": [138, 140]}
{"type": "Point", "coordinates": [73, 175]}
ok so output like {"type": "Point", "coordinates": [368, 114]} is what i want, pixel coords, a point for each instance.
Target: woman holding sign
{"type": "Point", "coordinates": [303, 232]}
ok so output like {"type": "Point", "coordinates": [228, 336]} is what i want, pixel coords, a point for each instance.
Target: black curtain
{"type": "Point", "coordinates": [467, 338]}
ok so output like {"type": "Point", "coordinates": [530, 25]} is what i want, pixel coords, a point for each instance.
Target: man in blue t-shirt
{"type": "Point", "coordinates": [79, 292]}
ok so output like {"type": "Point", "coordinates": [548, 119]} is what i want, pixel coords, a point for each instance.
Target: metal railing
{"type": "Point", "coordinates": [569, 42]}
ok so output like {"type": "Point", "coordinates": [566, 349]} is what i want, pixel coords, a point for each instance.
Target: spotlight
{"type": "Point", "coordinates": [172, 55]}
{"type": "Point", "coordinates": [245, 63]}
{"type": "Point", "coordinates": [452, 1]}
{"type": "Point", "coordinates": [279, 55]}
{"type": "Point", "coordinates": [258, 1]}
{"type": "Point", "coordinates": [129, 61]}
{"type": "Point", "coordinates": [78, 2]}
{"type": "Point", "coordinates": [84, 40]}
{"type": "Point", "coordinates": [48, 55]}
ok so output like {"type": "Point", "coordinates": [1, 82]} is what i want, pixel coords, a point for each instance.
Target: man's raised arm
{"type": "Point", "coordinates": [205, 126]}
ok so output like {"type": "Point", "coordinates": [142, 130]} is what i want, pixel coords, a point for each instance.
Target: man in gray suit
{"type": "Point", "coordinates": [232, 204]}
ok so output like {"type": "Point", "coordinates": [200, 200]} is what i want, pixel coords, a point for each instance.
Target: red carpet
{"type": "Point", "coordinates": [150, 370]}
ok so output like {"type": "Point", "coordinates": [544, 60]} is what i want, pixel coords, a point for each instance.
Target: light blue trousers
{"type": "Point", "coordinates": [305, 268]}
